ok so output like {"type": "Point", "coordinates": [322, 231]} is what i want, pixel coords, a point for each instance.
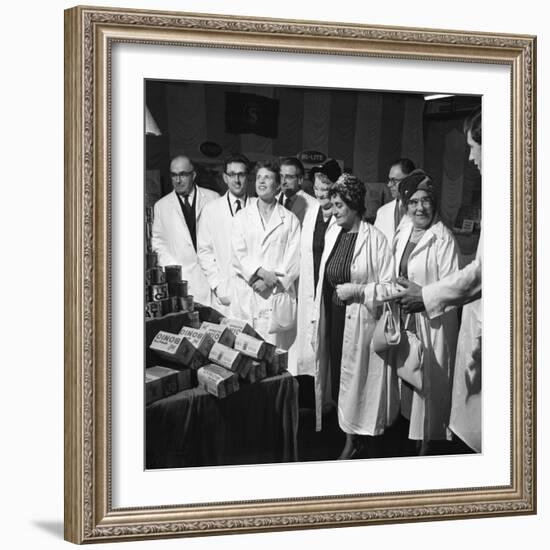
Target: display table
{"type": "Point", "coordinates": [258, 424]}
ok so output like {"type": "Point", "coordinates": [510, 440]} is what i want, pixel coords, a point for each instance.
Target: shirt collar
{"type": "Point", "coordinates": [234, 199]}
{"type": "Point", "coordinates": [283, 200]}
{"type": "Point", "coordinates": [191, 195]}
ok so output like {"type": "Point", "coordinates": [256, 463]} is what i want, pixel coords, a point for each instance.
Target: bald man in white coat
{"type": "Point", "coordinates": [176, 218]}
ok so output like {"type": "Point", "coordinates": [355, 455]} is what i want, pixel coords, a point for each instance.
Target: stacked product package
{"type": "Point", "coordinates": [222, 355]}
{"type": "Point", "coordinates": [165, 291]}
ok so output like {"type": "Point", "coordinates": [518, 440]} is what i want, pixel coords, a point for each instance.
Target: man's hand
{"type": "Point", "coordinates": [410, 298]}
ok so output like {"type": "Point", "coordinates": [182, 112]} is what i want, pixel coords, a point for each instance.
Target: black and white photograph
{"type": "Point", "coordinates": [312, 274]}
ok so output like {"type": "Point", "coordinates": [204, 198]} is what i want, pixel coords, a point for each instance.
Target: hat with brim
{"type": "Point", "coordinates": [330, 168]}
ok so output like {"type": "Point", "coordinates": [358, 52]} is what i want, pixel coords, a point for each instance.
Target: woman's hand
{"type": "Point", "coordinates": [348, 292]}
{"type": "Point", "coordinates": [259, 286]}
{"type": "Point", "coordinates": [410, 297]}
{"type": "Point", "coordinates": [268, 277]}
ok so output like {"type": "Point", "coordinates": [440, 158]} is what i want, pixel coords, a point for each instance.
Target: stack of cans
{"type": "Point", "coordinates": [165, 292]}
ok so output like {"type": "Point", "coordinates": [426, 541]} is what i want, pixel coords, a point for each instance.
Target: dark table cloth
{"type": "Point", "coordinates": [258, 424]}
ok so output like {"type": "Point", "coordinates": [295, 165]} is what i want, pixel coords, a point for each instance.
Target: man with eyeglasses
{"type": "Point", "coordinates": [214, 237]}
{"type": "Point", "coordinates": [176, 218]}
{"type": "Point", "coordinates": [292, 197]}
{"type": "Point", "coordinates": [390, 214]}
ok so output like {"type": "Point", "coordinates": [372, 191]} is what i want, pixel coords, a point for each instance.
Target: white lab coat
{"type": "Point", "coordinates": [463, 287]}
{"type": "Point", "coordinates": [275, 248]}
{"type": "Point", "coordinates": [385, 220]}
{"type": "Point", "coordinates": [214, 248]}
{"type": "Point", "coordinates": [301, 355]}
{"type": "Point", "coordinates": [434, 257]}
{"type": "Point", "coordinates": [368, 399]}
{"type": "Point", "coordinates": [301, 202]}
{"type": "Point", "coordinates": [172, 242]}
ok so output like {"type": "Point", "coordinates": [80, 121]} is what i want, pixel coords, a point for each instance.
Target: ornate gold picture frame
{"type": "Point", "coordinates": [90, 34]}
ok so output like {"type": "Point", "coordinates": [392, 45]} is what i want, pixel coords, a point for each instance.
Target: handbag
{"type": "Point", "coordinates": [387, 332]}
{"type": "Point", "coordinates": [409, 357]}
{"type": "Point", "coordinates": [283, 312]}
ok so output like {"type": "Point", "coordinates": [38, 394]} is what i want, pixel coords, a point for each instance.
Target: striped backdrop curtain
{"type": "Point", "coordinates": [364, 130]}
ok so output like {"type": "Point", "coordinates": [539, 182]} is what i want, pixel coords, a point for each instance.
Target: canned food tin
{"type": "Point", "coordinates": [158, 292]}
{"type": "Point", "coordinates": [173, 273]}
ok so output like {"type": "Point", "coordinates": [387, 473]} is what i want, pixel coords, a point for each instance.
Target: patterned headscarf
{"type": "Point", "coordinates": [417, 180]}
{"type": "Point", "coordinates": [352, 191]}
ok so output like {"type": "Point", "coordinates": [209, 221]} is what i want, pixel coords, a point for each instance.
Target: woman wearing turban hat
{"type": "Point", "coordinates": [424, 251]}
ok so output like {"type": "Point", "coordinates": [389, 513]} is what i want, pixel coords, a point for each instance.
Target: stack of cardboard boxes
{"type": "Point", "coordinates": [217, 356]}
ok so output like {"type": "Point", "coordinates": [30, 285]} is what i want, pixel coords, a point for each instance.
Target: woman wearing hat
{"type": "Point", "coordinates": [425, 251]}
{"type": "Point", "coordinates": [355, 273]}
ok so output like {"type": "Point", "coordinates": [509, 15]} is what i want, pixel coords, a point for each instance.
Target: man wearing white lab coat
{"type": "Point", "coordinates": [214, 235]}
{"type": "Point", "coordinates": [291, 196]}
{"type": "Point", "coordinates": [176, 218]}
{"type": "Point", "coordinates": [390, 214]}
{"type": "Point", "coordinates": [461, 288]}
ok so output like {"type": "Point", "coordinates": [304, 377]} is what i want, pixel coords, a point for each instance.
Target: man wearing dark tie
{"type": "Point", "coordinates": [177, 217]}
{"type": "Point", "coordinates": [214, 236]}
{"type": "Point", "coordinates": [292, 197]}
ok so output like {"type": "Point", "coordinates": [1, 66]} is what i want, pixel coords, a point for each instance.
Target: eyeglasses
{"type": "Point", "coordinates": [395, 181]}
{"type": "Point", "coordinates": [240, 175]}
{"type": "Point", "coordinates": [424, 201]}
{"type": "Point", "coordinates": [181, 175]}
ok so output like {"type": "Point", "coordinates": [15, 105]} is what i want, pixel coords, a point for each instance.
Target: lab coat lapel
{"type": "Point", "coordinates": [400, 241]}
{"type": "Point", "coordinates": [199, 203]}
{"type": "Point", "coordinates": [426, 239]}
{"type": "Point", "coordinates": [277, 218]}
{"type": "Point", "coordinates": [360, 243]}
{"type": "Point", "coordinates": [330, 237]}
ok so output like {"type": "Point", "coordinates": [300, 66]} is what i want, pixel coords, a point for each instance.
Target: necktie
{"type": "Point", "coordinates": [186, 203]}
{"type": "Point", "coordinates": [281, 197]}
{"type": "Point", "coordinates": [189, 216]}
{"type": "Point", "coordinates": [287, 203]}
{"type": "Point", "coordinates": [238, 206]}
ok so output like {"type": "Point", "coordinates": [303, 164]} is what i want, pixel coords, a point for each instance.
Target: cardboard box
{"type": "Point", "coordinates": [252, 370]}
{"type": "Point", "coordinates": [279, 362]}
{"type": "Point", "coordinates": [198, 338]}
{"type": "Point", "coordinates": [250, 346]}
{"type": "Point", "coordinates": [219, 333]}
{"type": "Point", "coordinates": [217, 380]}
{"type": "Point", "coordinates": [226, 357]}
{"type": "Point", "coordinates": [161, 382]}
{"type": "Point", "coordinates": [176, 348]}
{"type": "Point", "coordinates": [237, 326]}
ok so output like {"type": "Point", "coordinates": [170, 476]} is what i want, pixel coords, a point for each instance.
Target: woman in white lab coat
{"type": "Point", "coordinates": [356, 272]}
{"type": "Point", "coordinates": [265, 249]}
{"type": "Point", "coordinates": [425, 251]}
{"type": "Point", "coordinates": [317, 220]}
